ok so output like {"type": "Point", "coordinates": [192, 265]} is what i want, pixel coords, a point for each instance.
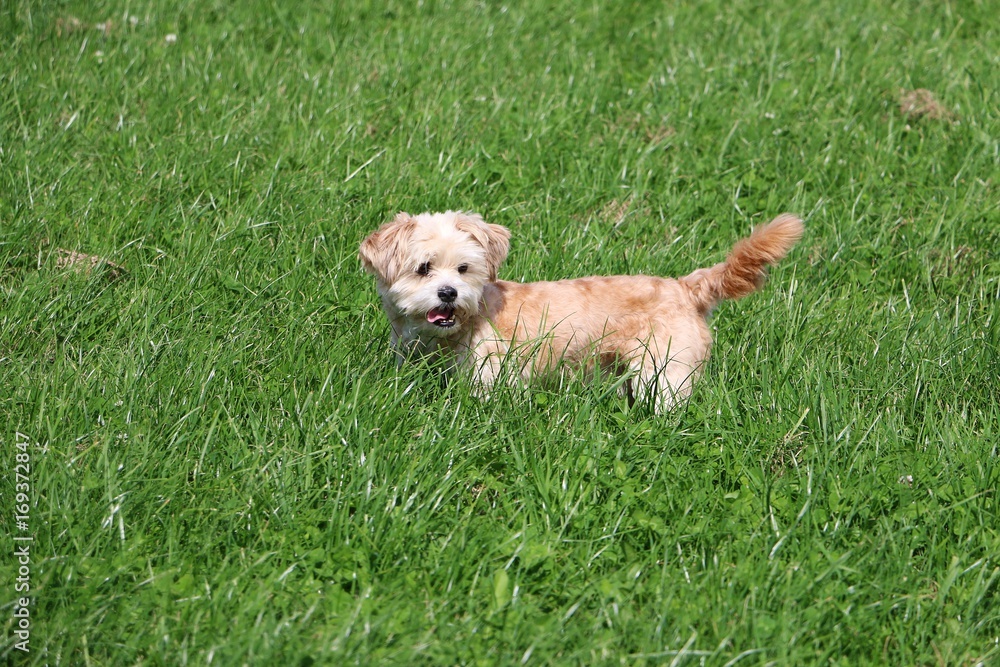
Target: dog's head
{"type": "Point", "coordinates": [432, 267]}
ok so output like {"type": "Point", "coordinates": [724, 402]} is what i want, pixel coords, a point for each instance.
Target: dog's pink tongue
{"type": "Point", "coordinates": [438, 314]}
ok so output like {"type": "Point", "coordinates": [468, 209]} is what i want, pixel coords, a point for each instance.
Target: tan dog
{"type": "Point", "coordinates": [437, 276]}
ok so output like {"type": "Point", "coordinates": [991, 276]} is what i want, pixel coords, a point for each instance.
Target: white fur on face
{"type": "Point", "coordinates": [451, 258]}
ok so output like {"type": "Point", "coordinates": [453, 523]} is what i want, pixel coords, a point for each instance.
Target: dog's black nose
{"type": "Point", "coordinates": [447, 294]}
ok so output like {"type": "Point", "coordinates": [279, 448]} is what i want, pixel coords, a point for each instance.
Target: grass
{"type": "Point", "coordinates": [227, 468]}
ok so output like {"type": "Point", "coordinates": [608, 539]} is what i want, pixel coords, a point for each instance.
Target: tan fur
{"type": "Point", "coordinates": [384, 248]}
{"type": "Point", "coordinates": [653, 328]}
{"type": "Point", "coordinates": [494, 238]}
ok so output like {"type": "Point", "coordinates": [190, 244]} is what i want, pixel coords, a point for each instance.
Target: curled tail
{"type": "Point", "coordinates": [744, 270]}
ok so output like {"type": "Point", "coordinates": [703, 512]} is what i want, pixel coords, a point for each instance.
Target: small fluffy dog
{"type": "Point", "coordinates": [437, 276]}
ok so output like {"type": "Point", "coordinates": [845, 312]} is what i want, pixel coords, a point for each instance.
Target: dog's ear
{"type": "Point", "coordinates": [382, 252]}
{"type": "Point", "coordinates": [495, 239]}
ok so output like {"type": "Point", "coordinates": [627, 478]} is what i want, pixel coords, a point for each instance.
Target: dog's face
{"type": "Point", "coordinates": [432, 268]}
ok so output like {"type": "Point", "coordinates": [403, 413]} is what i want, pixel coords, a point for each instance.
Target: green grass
{"type": "Point", "coordinates": [227, 468]}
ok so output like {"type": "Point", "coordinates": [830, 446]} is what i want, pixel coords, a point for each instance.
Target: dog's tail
{"type": "Point", "coordinates": [745, 268]}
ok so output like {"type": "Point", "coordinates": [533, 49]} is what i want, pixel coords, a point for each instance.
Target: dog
{"type": "Point", "coordinates": [436, 275]}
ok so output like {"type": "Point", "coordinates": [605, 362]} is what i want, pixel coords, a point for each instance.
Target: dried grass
{"type": "Point", "coordinates": [85, 264]}
{"type": "Point", "coordinates": [922, 103]}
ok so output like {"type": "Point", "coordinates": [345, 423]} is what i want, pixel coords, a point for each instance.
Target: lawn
{"type": "Point", "coordinates": [223, 465]}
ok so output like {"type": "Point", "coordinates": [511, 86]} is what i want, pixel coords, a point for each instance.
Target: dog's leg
{"type": "Point", "coordinates": [396, 345]}
{"type": "Point", "coordinates": [666, 387]}
{"type": "Point", "coordinates": [485, 364]}
{"type": "Point", "coordinates": [662, 379]}
{"type": "Point", "coordinates": [406, 349]}
{"type": "Point", "coordinates": [485, 376]}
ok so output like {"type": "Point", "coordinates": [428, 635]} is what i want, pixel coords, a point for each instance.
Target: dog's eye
{"type": "Point", "coordinates": [424, 268]}
{"type": "Point", "coordinates": [462, 268]}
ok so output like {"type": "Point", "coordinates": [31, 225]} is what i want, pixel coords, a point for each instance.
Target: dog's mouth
{"type": "Point", "coordinates": [442, 316]}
